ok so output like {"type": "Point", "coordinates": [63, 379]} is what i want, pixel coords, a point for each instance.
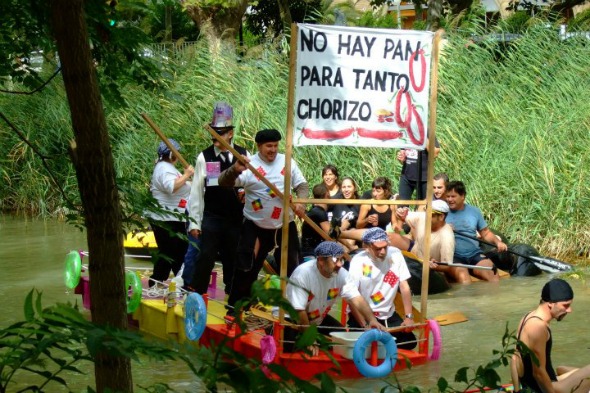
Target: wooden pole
{"type": "Point", "coordinates": [159, 132]}
{"type": "Point", "coordinates": [429, 191]}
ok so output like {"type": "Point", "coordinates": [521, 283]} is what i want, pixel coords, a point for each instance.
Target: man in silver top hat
{"type": "Point", "coordinates": [215, 212]}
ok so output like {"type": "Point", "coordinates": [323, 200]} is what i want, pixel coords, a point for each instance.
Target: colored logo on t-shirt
{"type": "Point", "coordinates": [261, 171]}
{"type": "Point", "coordinates": [313, 315]}
{"type": "Point", "coordinates": [276, 213]}
{"type": "Point", "coordinates": [377, 297]}
{"type": "Point", "coordinates": [182, 203]}
{"type": "Point", "coordinates": [367, 270]}
{"type": "Point", "coordinates": [333, 293]}
{"type": "Point", "coordinates": [271, 193]}
{"type": "Point", "coordinates": [391, 278]}
{"type": "Point", "coordinates": [257, 205]}
{"type": "Point", "coordinates": [283, 171]}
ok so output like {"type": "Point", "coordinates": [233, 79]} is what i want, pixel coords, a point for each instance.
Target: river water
{"type": "Point", "coordinates": [32, 254]}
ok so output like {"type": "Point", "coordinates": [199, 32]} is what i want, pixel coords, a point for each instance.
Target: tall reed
{"type": "Point", "coordinates": [512, 123]}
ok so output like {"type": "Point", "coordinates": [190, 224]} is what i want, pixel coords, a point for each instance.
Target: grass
{"type": "Point", "coordinates": [513, 124]}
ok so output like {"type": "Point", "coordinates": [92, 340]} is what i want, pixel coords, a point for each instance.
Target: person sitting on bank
{"type": "Point", "coordinates": [378, 272]}
{"type": "Point", "coordinates": [314, 287]}
{"type": "Point", "coordinates": [539, 376]}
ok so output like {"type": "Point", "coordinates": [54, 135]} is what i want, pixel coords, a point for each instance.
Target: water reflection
{"type": "Point", "coordinates": [32, 254]}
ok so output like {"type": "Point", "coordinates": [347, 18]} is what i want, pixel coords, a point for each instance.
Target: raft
{"type": "Point", "coordinates": [164, 317]}
{"type": "Point", "coordinates": [164, 321]}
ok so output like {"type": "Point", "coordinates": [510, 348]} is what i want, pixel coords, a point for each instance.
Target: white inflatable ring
{"type": "Point", "coordinates": [195, 316]}
{"type": "Point", "coordinates": [436, 339]}
{"type": "Point", "coordinates": [358, 354]}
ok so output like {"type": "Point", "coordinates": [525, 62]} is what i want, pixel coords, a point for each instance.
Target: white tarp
{"type": "Point", "coordinates": [362, 86]}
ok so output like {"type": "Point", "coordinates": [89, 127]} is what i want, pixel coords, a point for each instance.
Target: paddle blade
{"type": "Point", "coordinates": [451, 318]}
{"type": "Point", "coordinates": [551, 265]}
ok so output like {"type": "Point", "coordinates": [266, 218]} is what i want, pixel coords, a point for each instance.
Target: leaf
{"type": "Point", "coordinates": [442, 384]}
{"type": "Point", "coordinates": [308, 337]}
{"type": "Point", "coordinates": [29, 313]}
{"type": "Point", "coordinates": [461, 375]}
{"type": "Point", "coordinates": [327, 383]}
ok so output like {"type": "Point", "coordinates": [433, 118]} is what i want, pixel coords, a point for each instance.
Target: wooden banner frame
{"type": "Point", "coordinates": [431, 146]}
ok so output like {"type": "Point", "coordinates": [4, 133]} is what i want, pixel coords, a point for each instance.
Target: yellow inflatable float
{"type": "Point", "coordinates": [140, 242]}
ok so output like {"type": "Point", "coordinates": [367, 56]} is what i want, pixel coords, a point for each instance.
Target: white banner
{"type": "Point", "coordinates": [361, 86]}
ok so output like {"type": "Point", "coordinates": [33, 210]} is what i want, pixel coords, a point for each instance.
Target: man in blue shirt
{"type": "Point", "coordinates": [467, 219]}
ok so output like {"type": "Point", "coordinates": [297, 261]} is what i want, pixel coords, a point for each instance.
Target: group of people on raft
{"type": "Point", "coordinates": [235, 217]}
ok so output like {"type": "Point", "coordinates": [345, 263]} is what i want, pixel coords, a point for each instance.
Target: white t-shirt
{"type": "Point", "coordinates": [262, 206]}
{"type": "Point", "coordinates": [162, 189]}
{"type": "Point", "coordinates": [310, 291]}
{"type": "Point", "coordinates": [377, 281]}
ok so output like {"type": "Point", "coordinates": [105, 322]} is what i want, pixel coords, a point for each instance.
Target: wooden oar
{"type": "Point", "coordinates": [549, 264]}
{"type": "Point", "coordinates": [158, 132]}
{"type": "Point", "coordinates": [236, 154]}
{"type": "Point", "coordinates": [451, 264]}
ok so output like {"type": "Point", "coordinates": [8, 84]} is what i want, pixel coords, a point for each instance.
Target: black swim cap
{"type": "Point", "coordinates": [557, 290]}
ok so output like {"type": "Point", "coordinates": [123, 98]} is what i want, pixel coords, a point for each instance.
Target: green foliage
{"type": "Point", "coordinates": [505, 124]}
{"type": "Point", "coordinates": [183, 27]}
{"type": "Point", "coordinates": [378, 19]}
{"type": "Point", "coordinates": [264, 19]}
{"type": "Point", "coordinates": [117, 49]}
{"type": "Point", "coordinates": [54, 343]}
{"type": "Point", "coordinates": [515, 23]}
{"type": "Point", "coordinates": [580, 22]}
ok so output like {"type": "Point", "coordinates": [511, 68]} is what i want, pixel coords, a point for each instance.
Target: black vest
{"type": "Point", "coordinates": [223, 201]}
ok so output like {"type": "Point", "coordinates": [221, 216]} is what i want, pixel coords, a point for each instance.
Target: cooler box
{"type": "Point", "coordinates": [344, 344]}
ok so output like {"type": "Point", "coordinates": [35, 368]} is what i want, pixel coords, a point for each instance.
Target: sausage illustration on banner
{"type": "Point", "coordinates": [383, 135]}
{"type": "Point", "coordinates": [327, 134]}
{"type": "Point", "coordinates": [416, 139]}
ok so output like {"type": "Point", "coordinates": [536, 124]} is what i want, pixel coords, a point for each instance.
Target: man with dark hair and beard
{"type": "Point", "coordinates": [533, 331]}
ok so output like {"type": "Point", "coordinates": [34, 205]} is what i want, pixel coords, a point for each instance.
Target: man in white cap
{"type": "Point", "coordinates": [539, 376]}
{"type": "Point", "coordinates": [216, 212]}
{"type": "Point", "coordinates": [442, 240]}
{"type": "Point", "coordinates": [315, 286]}
{"type": "Point", "coordinates": [261, 230]}
{"type": "Point", "coordinates": [378, 272]}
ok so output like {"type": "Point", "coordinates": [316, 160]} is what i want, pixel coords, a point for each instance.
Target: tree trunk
{"type": "Point", "coordinates": [285, 14]}
{"type": "Point", "coordinates": [95, 173]}
{"type": "Point", "coordinates": [434, 14]}
{"type": "Point", "coordinates": [219, 24]}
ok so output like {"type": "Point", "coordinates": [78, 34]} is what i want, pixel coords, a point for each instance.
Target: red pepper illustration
{"type": "Point", "coordinates": [420, 139]}
{"type": "Point", "coordinates": [383, 135]}
{"type": "Point", "coordinates": [327, 134]}
{"type": "Point", "coordinates": [398, 103]}
{"type": "Point", "coordinates": [420, 55]}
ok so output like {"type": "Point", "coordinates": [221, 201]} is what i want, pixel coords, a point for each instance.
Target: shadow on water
{"type": "Point", "coordinates": [32, 253]}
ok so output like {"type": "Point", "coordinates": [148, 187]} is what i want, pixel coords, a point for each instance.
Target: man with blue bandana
{"type": "Point", "coordinates": [377, 273]}
{"type": "Point", "coordinates": [315, 286]}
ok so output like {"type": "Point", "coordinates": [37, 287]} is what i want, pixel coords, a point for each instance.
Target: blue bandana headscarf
{"type": "Point", "coordinates": [163, 149]}
{"type": "Point", "coordinates": [329, 249]}
{"type": "Point", "coordinates": [373, 235]}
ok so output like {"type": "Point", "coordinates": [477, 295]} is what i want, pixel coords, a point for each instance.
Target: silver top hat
{"type": "Point", "coordinates": [222, 115]}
